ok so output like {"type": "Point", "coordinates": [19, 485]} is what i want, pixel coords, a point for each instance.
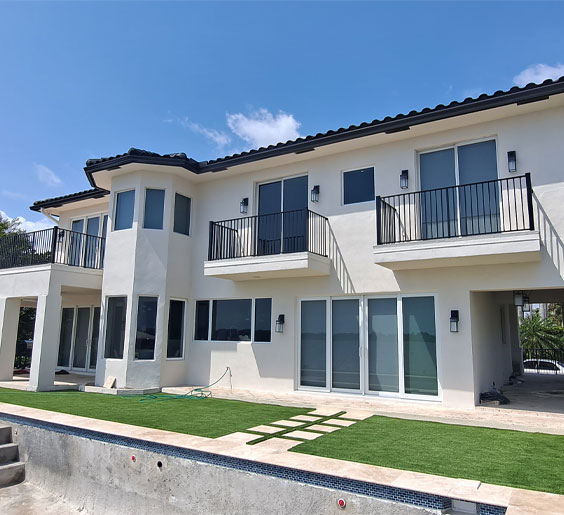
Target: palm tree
{"type": "Point", "coordinates": [539, 333]}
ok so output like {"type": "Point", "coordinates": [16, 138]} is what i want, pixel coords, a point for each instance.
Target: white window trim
{"type": "Point", "coordinates": [115, 206]}
{"type": "Point", "coordinates": [145, 208]}
{"type": "Point", "coordinates": [136, 316]}
{"type": "Point", "coordinates": [104, 313]}
{"type": "Point", "coordinates": [184, 329]}
{"type": "Point", "coordinates": [189, 235]}
{"type": "Point", "coordinates": [357, 169]}
{"type": "Point", "coordinates": [270, 181]}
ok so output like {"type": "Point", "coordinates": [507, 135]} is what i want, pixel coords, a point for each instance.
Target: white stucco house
{"type": "Point", "coordinates": [380, 260]}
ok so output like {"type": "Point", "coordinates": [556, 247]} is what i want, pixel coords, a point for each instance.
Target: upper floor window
{"type": "Point", "coordinates": [182, 214]}
{"type": "Point", "coordinates": [358, 186]}
{"type": "Point", "coordinates": [154, 208]}
{"type": "Point", "coordinates": [125, 204]}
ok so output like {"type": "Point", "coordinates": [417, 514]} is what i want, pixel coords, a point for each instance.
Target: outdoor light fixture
{"type": "Point", "coordinates": [454, 319]}
{"type": "Point", "coordinates": [404, 178]}
{"type": "Point", "coordinates": [279, 324]}
{"type": "Point", "coordinates": [512, 160]}
{"type": "Point", "coordinates": [315, 193]}
{"type": "Point", "coordinates": [243, 206]}
{"type": "Point", "coordinates": [526, 304]}
{"type": "Point", "coordinates": [518, 298]}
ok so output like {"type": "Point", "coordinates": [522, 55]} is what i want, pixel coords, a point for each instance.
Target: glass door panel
{"type": "Point", "coordinates": [438, 207]}
{"type": "Point", "coordinates": [383, 364]}
{"type": "Point", "coordinates": [92, 242]}
{"type": "Point", "coordinates": [94, 336]}
{"type": "Point", "coordinates": [420, 345]}
{"type": "Point", "coordinates": [81, 338]}
{"type": "Point", "coordinates": [480, 203]}
{"type": "Point", "coordinates": [295, 215]}
{"type": "Point", "coordinates": [75, 250]}
{"type": "Point", "coordinates": [345, 344]}
{"type": "Point", "coordinates": [65, 340]}
{"type": "Point", "coordinates": [313, 347]}
{"type": "Point", "coordinates": [270, 223]}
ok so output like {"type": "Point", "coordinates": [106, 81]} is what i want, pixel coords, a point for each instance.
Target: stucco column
{"type": "Point", "coordinates": [45, 341]}
{"type": "Point", "coordinates": [9, 318]}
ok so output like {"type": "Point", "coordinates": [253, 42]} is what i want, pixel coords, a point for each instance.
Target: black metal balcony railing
{"type": "Point", "coordinates": [543, 361]}
{"type": "Point", "coordinates": [262, 235]}
{"type": "Point", "coordinates": [52, 246]}
{"type": "Point", "coordinates": [502, 205]}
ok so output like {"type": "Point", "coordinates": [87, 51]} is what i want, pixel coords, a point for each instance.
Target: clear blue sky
{"type": "Point", "coordinates": [81, 80]}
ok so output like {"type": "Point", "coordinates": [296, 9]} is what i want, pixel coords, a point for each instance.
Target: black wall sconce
{"type": "Point", "coordinates": [454, 319]}
{"type": "Point", "coordinates": [404, 179]}
{"type": "Point", "coordinates": [279, 328]}
{"type": "Point", "coordinates": [315, 193]}
{"type": "Point", "coordinates": [518, 298]}
{"type": "Point", "coordinates": [526, 304]}
{"type": "Point", "coordinates": [244, 205]}
{"type": "Point", "coordinates": [512, 161]}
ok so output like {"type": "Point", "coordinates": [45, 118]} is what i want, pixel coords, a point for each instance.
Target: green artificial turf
{"type": "Point", "coordinates": [533, 461]}
{"type": "Point", "coordinates": [200, 417]}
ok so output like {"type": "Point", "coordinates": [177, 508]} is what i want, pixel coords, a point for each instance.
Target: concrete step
{"type": "Point", "coordinates": [12, 473]}
{"type": "Point", "coordinates": [8, 453]}
{"type": "Point", "coordinates": [5, 434]}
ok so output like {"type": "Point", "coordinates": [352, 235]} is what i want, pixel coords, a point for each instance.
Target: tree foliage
{"type": "Point", "coordinates": [9, 225]}
{"type": "Point", "coordinates": [541, 333]}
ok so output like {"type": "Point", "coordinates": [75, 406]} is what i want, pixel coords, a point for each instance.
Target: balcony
{"type": "Point", "coordinates": [480, 223]}
{"type": "Point", "coordinates": [286, 244]}
{"type": "Point", "coordinates": [52, 246]}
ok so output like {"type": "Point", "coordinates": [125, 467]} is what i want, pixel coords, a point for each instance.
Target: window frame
{"type": "Point", "coordinates": [115, 208]}
{"type": "Point", "coordinates": [184, 328]}
{"type": "Point", "coordinates": [189, 235]}
{"type": "Point", "coordinates": [147, 188]}
{"type": "Point", "coordinates": [357, 169]}
{"type": "Point", "coordinates": [253, 320]}
{"type": "Point", "coordinates": [105, 324]}
{"type": "Point", "coordinates": [152, 296]}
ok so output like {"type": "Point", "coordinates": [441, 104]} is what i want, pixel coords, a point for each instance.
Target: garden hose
{"type": "Point", "coordinates": [202, 392]}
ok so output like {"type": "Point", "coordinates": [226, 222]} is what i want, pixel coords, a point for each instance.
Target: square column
{"type": "Point", "coordinates": [45, 342]}
{"type": "Point", "coordinates": [9, 319]}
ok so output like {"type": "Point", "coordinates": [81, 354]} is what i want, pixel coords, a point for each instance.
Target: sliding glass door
{"type": "Point", "coordinates": [371, 345]}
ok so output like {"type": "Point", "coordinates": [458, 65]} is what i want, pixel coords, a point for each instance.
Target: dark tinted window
{"type": "Point", "coordinates": [263, 317]}
{"type": "Point", "coordinates": [231, 320]}
{"type": "Point", "coordinates": [125, 201]}
{"type": "Point", "coordinates": [175, 341]}
{"type": "Point", "coordinates": [146, 328]}
{"type": "Point", "coordinates": [154, 208]}
{"type": "Point", "coordinates": [115, 327]}
{"type": "Point", "coordinates": [202, 320]}
{"type": "Point", "coordinates": [547, 365]}
{"type": "Point", "coordinates": [182, 214]}
{"type": "Point", "coordinates": [65, 339]}
{"type": "Point", "coordinates": [358, 186]}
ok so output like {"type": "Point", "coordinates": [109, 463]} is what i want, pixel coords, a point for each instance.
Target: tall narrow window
{"type": "Point", "coordinates": [358, 186]}
{"type": "Point", "coordinates": [146, 328]}
{"type": "Point", "coordinates": [125, 202]}
{"type": "Point", "coordinates": [154, 208]}
{"type": "Point", "coordinates": [175, 341]}
{"type": "Point", "coordinates": [263, 320]}
{"type": "Point", "coordinates": [65, 339]}
{"type": "Point", "coordinates": [345, 344]}
{"type": "Point", "coordinates": [115, 327]}
{"type": "Point", "coordinates": [313, 348]}
{"type": "Point", "coordinates": [201, 331]}
{"type": "Point", "coordinates": [182, 214]}
{"type": "Point", "coordinates": [420, 345]}
{"type": "Point", "coordinates": [383, 345]}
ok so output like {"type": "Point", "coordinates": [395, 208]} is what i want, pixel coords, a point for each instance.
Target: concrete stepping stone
{"type": "Point", "coordinates": [304, 435]}
{"type": "Point", "coordinates": [305, 418]}
{"type": "Point", "coordinates": [358, 414]}
{"type": "Point", "coordinates": [288, 423]}
{"type": "Point", "coordinates": [265, 429]}
{"type": "Point", "coordinates": [340, 422]}
{"type": "Point", "coordinates": [325, 411]}
{"type": "Point", "coordinates": [325, 429]}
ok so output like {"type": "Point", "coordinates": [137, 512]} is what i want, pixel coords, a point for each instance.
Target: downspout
{"type": "Point", "coordinates": [50, 217]}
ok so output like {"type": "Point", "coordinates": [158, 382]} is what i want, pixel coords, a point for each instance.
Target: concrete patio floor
{"type": "Point", "coordinates": [537, 393]}
{"type": "Point", "coordinates": [69, 381]}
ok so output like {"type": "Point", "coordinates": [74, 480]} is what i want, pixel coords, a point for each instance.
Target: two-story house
{"type": "Point", "coordinates": [384, 259]}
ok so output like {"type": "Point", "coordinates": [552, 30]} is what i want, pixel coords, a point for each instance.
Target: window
{"type": "Point", "coordinates": [175, 341]}
{"type": "Point", "coordinates": [65, 340]}
{"type": "Point", "coordinates": [201, 331]}
{"type": "Point", "coordinates": [231, 320]}
{"type": "Point", "coordinates": [125, 202]}
{"type": "Point", "coordinates": [358, 186]}
{"type": "Point", "coordinates": [154, 208]}
{"type": "Point", "coordinates": [182, 214]}
{"type": "Point", "coordinates": [115, 327]}
{"type": "Point", "coordinates": [313, 349]}
{"type": "Point", "coordinates": [263, 320]}
{"type": "Point", "coordinates": [146, 328]}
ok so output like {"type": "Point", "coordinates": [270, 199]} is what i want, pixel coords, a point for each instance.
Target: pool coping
{"type": "Point", "coordinates": [272, 458]}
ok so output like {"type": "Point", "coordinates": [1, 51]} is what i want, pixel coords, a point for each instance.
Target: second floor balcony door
{"type": "Point", "coordinates": [283, 218]}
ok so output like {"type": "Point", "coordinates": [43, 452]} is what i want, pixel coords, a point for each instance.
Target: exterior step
{"type": "Point", "coordinates": [12, 473]}
{"type": "Point", "coordinates": [5, 434]}
{"type": "Point", "coordinates": [8, 453]}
